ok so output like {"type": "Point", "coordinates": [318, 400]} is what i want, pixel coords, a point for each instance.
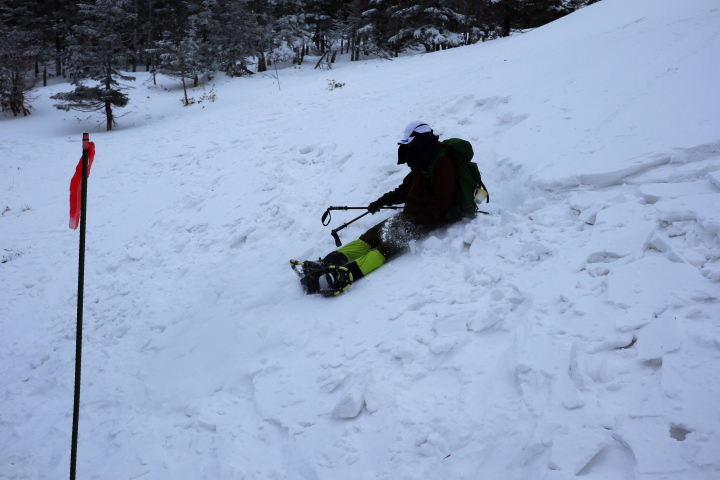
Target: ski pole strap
{"type": "Point", "coordinates": [327, 218]}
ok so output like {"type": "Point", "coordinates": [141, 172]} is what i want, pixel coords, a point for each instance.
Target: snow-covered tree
{"type": "Point", "coordinates": [231, 30]}
{"type": "Point", "coordinates": [292, 32]}
{"type": "Point", "coordinates": [97, 52]}
{"type": "Point", "coordinates": [375, 28]}
{"type": "Point", "coordinates": [27, 31]}
{"type": "Point", "coordinates": [512, 15]}
{"type": "Point", "coordinates": [441, 26]}
{"type": "Point", "coordinates": [182, 48]}
{"type": "Point", "coordinates": [434, 24]}
{"type": "Point", "coordinates": [17, 52]}
{"type": "Point", "coordinates": [326, 19]}
{"type": "Point", "coordinates": [186, 39]}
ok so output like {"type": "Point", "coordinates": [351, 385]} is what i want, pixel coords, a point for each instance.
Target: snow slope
{"type": "Point", "coordinates": [575, 331]}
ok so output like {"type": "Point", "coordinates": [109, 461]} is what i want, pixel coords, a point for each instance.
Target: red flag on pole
{"type": "Point", "coordinates": [76, 187]}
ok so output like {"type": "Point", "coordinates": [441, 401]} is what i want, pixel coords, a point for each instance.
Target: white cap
{"type": "Point", "coordinates": [414, 127]}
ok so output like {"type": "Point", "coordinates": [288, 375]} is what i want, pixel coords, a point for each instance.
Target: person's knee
{"type": "Point", "coordinates": [335, 258]}
{"type": "Point", "coordinates": [373, 236]}
{"type": "Point", "coordinates": [373, 260]}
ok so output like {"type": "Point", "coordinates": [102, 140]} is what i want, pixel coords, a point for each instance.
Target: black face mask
{"type": "Point", "coordinates": [402, 153]}
{"type": "Point", "coordinates": [420, 151]}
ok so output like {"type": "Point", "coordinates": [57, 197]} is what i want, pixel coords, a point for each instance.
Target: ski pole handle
{"type": "Point", "coordinates": [334, 234]}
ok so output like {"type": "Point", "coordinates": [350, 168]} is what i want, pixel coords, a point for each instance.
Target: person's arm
{"type": "Point", "coordinates": [392, 198]}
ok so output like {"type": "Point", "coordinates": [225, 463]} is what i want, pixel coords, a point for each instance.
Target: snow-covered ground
{"type": "Point", "coordinates": [575, 331]}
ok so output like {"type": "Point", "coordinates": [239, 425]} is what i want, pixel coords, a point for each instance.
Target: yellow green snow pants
{"type": "Point", "coordinates": [379, 244]}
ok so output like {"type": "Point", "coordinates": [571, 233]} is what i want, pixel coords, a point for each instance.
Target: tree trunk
{"type": "Point", "coordinates": [187, 102]}
{"type": "Point", "coordinates": [135, 59]}
{"type": "Point", "coordinates": [316, 38]}
{"type": "Point", "coordinates": [58, 53]}
{"type": "Point", "coordinates": [108, 105]}
{"type": "Point", "coordinates": [17, 94]}
{"type": "Point", "coordinates": [108, 116]}
{"type": "Point", "coordinates": [506, 20]}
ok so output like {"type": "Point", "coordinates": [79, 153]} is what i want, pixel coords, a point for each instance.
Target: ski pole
{"type": "Point", "coordinates": [334, 234]}
{"type": "Point", "coordinates": [327, 218]}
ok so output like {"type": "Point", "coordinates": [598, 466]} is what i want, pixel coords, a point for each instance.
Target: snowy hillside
{"type": "Point", "coordinates": [575, 331]}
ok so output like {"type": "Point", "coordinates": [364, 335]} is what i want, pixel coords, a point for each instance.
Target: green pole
{"type": "Point", "coordinates": [81, 285]}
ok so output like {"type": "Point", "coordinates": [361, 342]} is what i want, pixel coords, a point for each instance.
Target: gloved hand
{"type": "Point", "coordinates": [374, 207]}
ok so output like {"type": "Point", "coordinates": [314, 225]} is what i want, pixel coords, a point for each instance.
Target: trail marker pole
{"type": "Point", "coordinates": [81, 291]}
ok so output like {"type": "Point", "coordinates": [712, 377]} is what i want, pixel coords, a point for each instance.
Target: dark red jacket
{"type": "Point", "coordinates": [426, 198]}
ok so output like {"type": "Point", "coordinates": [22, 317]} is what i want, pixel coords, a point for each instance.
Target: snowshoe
{"type": "Point", "coordinates": [318, 277]}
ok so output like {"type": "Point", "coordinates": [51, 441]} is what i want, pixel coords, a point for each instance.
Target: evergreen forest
{"type": "Point", "coordinates": [98, 45]}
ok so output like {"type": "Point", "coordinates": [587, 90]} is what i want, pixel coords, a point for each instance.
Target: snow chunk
{"type": "Point", "coordinates": [450, 332]}
{"type": "Point", "coordinates": [653, 192]}
{"type": "Point", "coordinates": [702, 208]}
{"type": "Point", "coordinates": [659, 337]}
{"type": "Point", "coordinates": [572, 451]}
{"type": "Point", "coordinates": [588, 204]}
{"type": "Point", "coordinates": [715, 178]}
{"type": "Point", "coordinates": [652, 284]}
{"type": "Point", "coordinates": [603, 172]}
{"type": "Point", "coordinates": [350, 405]}
{"type": "Point", "coordinates": [622, 230]}
{"type": "Point", "coordinates": [533, 205]}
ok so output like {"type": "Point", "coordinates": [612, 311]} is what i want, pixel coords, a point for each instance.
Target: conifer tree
{"type": "Point", "coordinates": [232, 28]}
{"type": "Point", "coordinates": [94, 42]}
{"type": "Point", "coordinates": [96, 53]}
{"type": "Point", "coordinates": [434, 24]}
{"type": "Point", "coordinates": [183, 48]}
{"type": "Point", "coordinates": [439, 26]}
{"type": "Point", "coordinates": [16, 81]}
{"type": "Point", "coordinates": [291, 29]}
{"type": "Point", "coordinates": [374, 27]}
{"type": "Point", "coordinates": [25, 46]}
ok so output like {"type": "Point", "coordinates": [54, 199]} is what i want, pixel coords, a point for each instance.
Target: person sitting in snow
{"type": "Point", "coordinates": [426, 198]}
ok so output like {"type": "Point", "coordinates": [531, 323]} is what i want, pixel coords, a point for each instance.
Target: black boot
{"type": "Point", "coordinates": [339, 258]}
{"type": "Point", "coordinates": [338, 280]}
{"type": "Point", "coordinates": [354, 269]}
{"type": "Point", "coordinates": [322, 277]}
{"type": "Point", "coordinates": [310, 273]}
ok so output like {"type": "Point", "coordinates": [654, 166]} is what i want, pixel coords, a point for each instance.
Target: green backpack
{"type": "Point", "coordinates": [470, 189]}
